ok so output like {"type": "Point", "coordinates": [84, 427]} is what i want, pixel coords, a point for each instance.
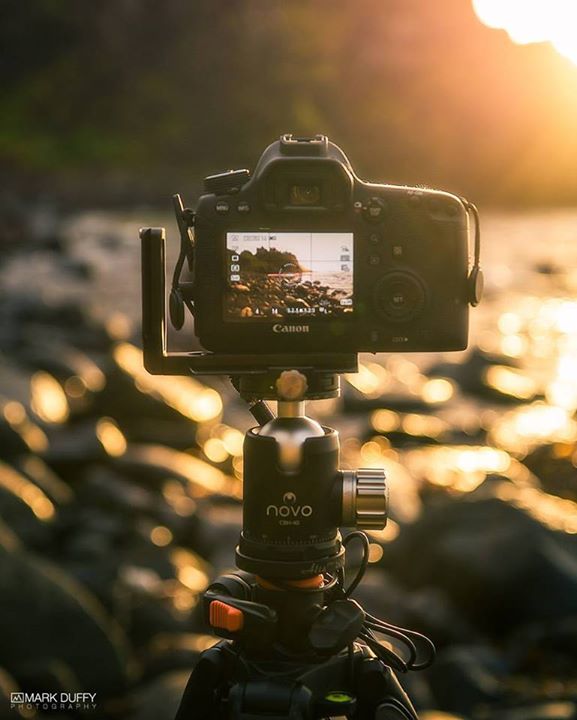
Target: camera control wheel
{"type": "Point", "coordinates": [399, 296]}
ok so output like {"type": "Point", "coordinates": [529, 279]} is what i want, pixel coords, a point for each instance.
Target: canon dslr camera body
{"type": "Point", "coordinates": [305, 257]}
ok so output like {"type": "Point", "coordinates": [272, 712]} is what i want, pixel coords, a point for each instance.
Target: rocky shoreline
{"type": "Point", "coordinates": [260, 296]}
{"type": "Point", "coordinates": [120, 492]}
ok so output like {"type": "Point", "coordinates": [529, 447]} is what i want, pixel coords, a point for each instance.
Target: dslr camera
{"type": "Point", "coordinates": [302, 256]}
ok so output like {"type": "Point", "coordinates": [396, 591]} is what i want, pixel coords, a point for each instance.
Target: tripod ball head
{"type": "Point", "coordinates": [295, 496]}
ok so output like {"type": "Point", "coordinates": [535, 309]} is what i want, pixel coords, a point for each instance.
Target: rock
{"type": "Point", "coordinates": [7, 686]}
{"type": "Point", "coordinates": [555, 466]}
{"type": "Point", "coordinates": [74, 447]}
{"type": "Point", "coordinates": [463, 678]}
{"type": "Point", "coordinates": [500, 566]}
{"type": "Point", "coordinates": [47, 618]}
{"type": "Point", "coordinates": [544, 711]}
{"type": "Point", "coordinates": [486, 375]}
{"type": "Point", "coordinates": [79, 375]}
{"type": "Point", "coordinates": [154, 463]}
{"type": "Point", "coordinates": [29, 316]}
{"type": "Point", "coordinates": [38, 472]}
{"type": "Point", "coordinates": [18, 434]}
{"type": "Point", "coordinates": [546, 650]}
{"type": "Point", "coordinates": [25, 509]}
{"type": "Point", "coordinates": [170, 652]}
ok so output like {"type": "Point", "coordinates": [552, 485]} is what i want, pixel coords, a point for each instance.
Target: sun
{"type": "Point", "coordinates": [534, 21]}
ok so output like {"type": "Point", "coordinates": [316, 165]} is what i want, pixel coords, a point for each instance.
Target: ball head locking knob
{"type": "Point", "coordinates": [365, 498]}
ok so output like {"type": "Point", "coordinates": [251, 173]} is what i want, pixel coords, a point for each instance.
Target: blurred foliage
{"type": "Point", "coordinates": [129, 99]}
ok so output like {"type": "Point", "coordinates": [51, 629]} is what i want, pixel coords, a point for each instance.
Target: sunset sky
{"type": "Point", "coordinates": [534, 21]}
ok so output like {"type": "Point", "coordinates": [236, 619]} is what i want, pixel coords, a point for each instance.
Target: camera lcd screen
{"type": "Point", "coordinates": [272, 275]}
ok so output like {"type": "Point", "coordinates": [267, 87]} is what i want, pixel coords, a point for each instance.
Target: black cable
{"type": "Point", "coordinates": [407, 637]}
{"type": "Point", "coordinates": [383, 653]}
{"type": "Point", "coordinates": [364, 562]}
{"type": "Point", "coordinates": [397, 635]}
{"type": "Point", "coordinates": [475, 212]}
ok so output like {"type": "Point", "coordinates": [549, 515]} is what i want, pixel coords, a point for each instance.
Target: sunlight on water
{"type": "Point", "coordinates": [191, 570]}
{"type": "Point", "coordinates": [437, 390]}
{"type": "Point", "coordinates": [371, 380]}
{"type": "Point", "coordinates": [111, 437]}
{"type": "Point", "coordinates": [215, 450]}
{"type": "Point", "coordinates": [556, 513]}
{"type": "Point", "coordinates": [29, 493]}
{"type": "Point", "coordinates": [185, 395]}
{"type": "Point", "coordinates": [203, 477]}
{"type": "Point", "coordinates": [462, 468]}
{"type": "Point", "coordinates": [161, 536]}
{"type": "Point", "coordinates": [511, 382]}
{"type": "Point", "coordinates": [47, 398]}
{"type": "Point", "coordinates": [522, 429]}
{"type": "Point", "coordinates": [15, 415]}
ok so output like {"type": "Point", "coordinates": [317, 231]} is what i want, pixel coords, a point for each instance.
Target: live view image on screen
{"type": "Point", "coordinates": [286, 274]}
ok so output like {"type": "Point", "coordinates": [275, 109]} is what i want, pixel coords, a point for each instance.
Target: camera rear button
{"type": "Point", "coordinates": [374, 260]}
{"type": "Point", "coordinates": [221, 207]}
{"type": "Point", "coordinates": [374, 238]}
{"type": "Point", "coordinates": [243, 207]}
{"type": "Point", "coordinates": [374, 210]}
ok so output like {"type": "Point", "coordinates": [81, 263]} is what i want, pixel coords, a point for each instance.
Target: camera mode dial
{"type": "Point", "coordinates": [226, 183]}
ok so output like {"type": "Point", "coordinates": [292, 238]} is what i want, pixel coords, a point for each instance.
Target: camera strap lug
{"type": "Point", "coordinates": [475, 280]}
{"type": "Point", "coordinates": [181, 294]}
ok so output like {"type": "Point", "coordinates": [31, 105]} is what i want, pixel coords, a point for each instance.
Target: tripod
{"type": "Point", "coordinates": [296, 644]}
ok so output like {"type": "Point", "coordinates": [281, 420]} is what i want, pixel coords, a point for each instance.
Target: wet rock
{"type": "Point", "coordinates": [145, 416]}
{"type": "Point", "coordinates": [25, 509]}
{"type": "Point", "coordinates": [78, 373]}
{"type": "Point", "coordinates": [500, 566]}
{"type": "Point", "coordinates": [464, 678]}
{"type": "Point", "coordinates": [544, 711]}
{"type": "Point", "coordinates": [74, 447]}
{"type": "Point", "coordinates": [490, 376]}
{"type": "Point", "coordinates": [555, 466]}
{"type": "Point", "coordinates": [31, 317]}
{"type": "Point", "coordinates": [14, 226]}
{"type": "Point", "coordinates": [546, 650]}
{"type": "Point", "coordinates": [154, 463]}
{"type": "Point", "coordinates": [546, 267]}
{"type": "Point", "coordinates": [38, 472]}
{"type": "Point", "coordinates": [47, 617]}
{"type": "Point", "coordinates": [7, 686]}
{"type": "Point", "coordinates": [18, 434]}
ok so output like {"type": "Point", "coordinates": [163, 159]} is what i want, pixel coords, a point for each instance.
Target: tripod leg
{"type": "Point", "coordinates": [202, 697]}
{"type": "Point", "coordinates": [379, 694]}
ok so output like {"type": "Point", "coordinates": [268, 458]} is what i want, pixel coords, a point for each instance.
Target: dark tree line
{"type": "Point", "coordinates": [123, 99]}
